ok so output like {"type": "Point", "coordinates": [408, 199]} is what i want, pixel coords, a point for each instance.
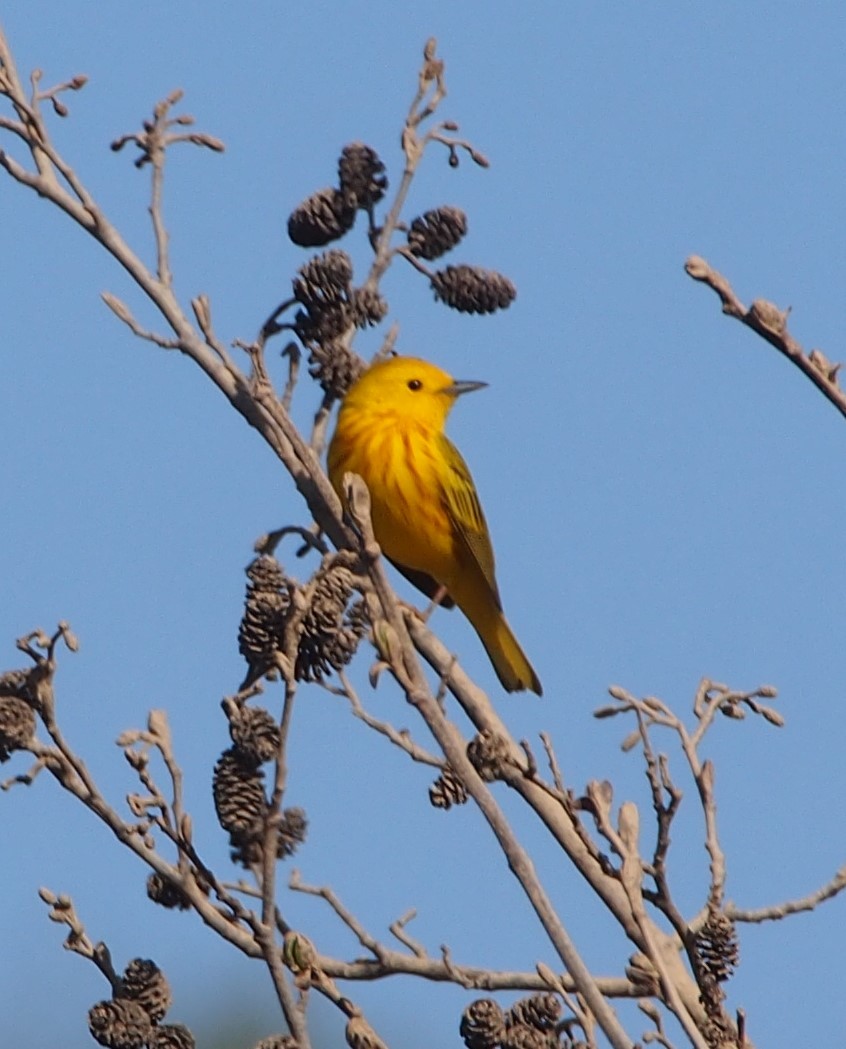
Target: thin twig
{"type": "Point", "coordinates": [122, 312]}
{"type": "Point", "coordinates": [294, 355]}
{"type": "Point", "coordinates": [431, 83]}
{"type": "Point", "coordinates": [63, 912]}
{"type": "Point", "coordinates": [399, 931]}
{"type": "Point", "coordinates": [317, 441]}
{"type": "Point", "coordinates": [399, 737]}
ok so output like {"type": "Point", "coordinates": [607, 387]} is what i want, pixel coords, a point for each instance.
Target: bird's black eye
{"type": "Point", "coordinates": [415, 384]}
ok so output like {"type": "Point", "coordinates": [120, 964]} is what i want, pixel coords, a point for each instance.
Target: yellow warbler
{"type": "Point", "coordinates": [425, 511]}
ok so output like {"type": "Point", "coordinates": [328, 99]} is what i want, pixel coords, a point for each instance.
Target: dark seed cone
{"type": "Point", "coordinates": [119, 1024]}
{"type": "Point", "coordinates": [436, 232]}
{"type": "Point", "coordinates": [16, 683]}
{"type": "Point", "coordinates": [323, 325]}
{"type": "Point", "coordinates": [542, 1011]}
{"type": "Point", "coordinates": [719, 1037]}
{"type": "Point", "coordinates": [330, 631]}
{"type": "Point", "coordinates": [362, 176]}
{"type": "Point", "coordinates": [447, 790]}
{"type": "Point", "coordinates": [292, 831]}
{"type": "Point", "coordinates": [145, 983]}
{"type": "Point", "coordinates": [248, 847]}
{"type": "Point", "coordinates": [719, 1033]}
{"type": "Point", "coordinates": [320, 219]}
{"type": "Point", "coordinates": [717, 946]}
{"type": "Point", "coordinates": [324, 288]}
{"type": "Point", "coordinates": [482, 1024]}
{"type": "Point", "coordinates": [470, 289]}
{"type": "Point", "coordinates": [521, 1036]}
{"type": "Point", "coordinates": [262, 628]}
{"type": "Point", "coordinates": [255, 734]}
{"type": "Point", "coordinates": [172, 1036]}
{"type": "Point", "coordinates": [166, 894]}
{"type": "Point", "coordinates": [17, 725]}
{"type": "Point", "coordinates": [488, 754]}
{"type": "Point", "coordinates": [324, 280]}
{"type": "Point", "coordinates": [238, 788]}
{"type": "Point", "coordinates": [335, 367]}
{"type": "Point", "coordinates": [368, 307]}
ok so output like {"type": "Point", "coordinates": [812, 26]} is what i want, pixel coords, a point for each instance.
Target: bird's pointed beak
{"type": "Point", "coordinates": [459, 386]}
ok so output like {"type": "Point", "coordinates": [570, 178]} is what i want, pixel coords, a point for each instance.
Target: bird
{"type": "Point", "coordinates": [425, 511]}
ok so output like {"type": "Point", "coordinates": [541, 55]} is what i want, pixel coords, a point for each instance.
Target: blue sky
{"type": "Point", "coordinates": [665, 492]}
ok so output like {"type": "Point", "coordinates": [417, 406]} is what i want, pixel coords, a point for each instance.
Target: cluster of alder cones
{"type": "Point", "coordinates": [330, 305]}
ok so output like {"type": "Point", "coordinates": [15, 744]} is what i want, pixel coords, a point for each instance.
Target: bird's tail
{"type": "Point", "coordinates": [513, 669]}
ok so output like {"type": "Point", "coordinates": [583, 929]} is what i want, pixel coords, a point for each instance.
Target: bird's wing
{"type": "Point", "coordinates": [465, 512]}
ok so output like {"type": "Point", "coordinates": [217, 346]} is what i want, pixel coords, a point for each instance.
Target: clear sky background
{"type": "Point", "coordinates": [666, 494]}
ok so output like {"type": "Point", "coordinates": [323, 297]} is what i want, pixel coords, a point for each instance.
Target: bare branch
{"type": "Point", "coordinates": [420, 963]}
{"type": "Point", "coordinates": [768, 321]}
{"type": "Point", "coordinates": [781, 910]}
{"type": "Point", "coordinates": [399, 737]}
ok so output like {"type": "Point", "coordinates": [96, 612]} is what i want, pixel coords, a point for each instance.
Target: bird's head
{"type": "Point", "coordinates": [409, 388]}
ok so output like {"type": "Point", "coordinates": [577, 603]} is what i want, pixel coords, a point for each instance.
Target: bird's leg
{"type": "Point", "coordinates": [437, 597]}
{"type": "Point", "coordinates": [422, 615]}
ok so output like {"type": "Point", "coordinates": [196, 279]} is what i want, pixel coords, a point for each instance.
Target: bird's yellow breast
{"type": "Point", "coordinates": [397, 459]}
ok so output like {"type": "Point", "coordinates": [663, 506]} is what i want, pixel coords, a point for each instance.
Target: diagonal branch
{"type": "Point", "coordinates": [768, 321]}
